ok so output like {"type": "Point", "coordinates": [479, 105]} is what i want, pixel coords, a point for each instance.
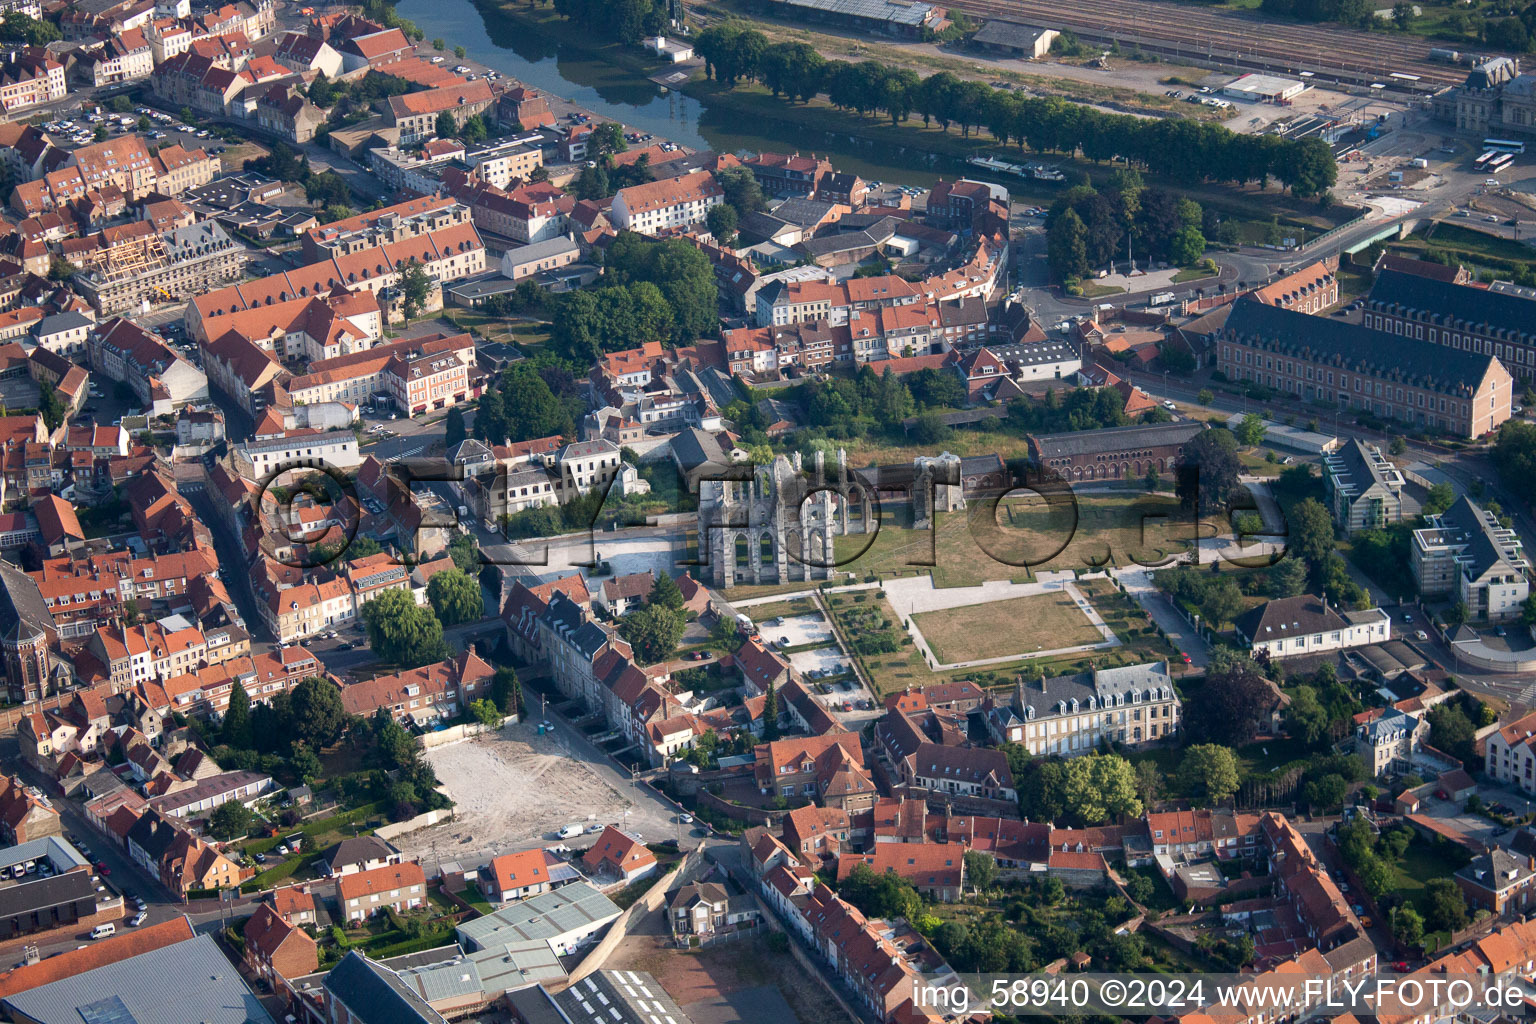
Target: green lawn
{"type": "Point", "coordinates": [472, 896]}
{"type": "Point", "coordinates": [995, 630]}
{"type": "Point", "coordinates": [966, 548]}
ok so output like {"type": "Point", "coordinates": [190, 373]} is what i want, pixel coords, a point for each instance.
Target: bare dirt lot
{"type": "Point", "coordinates": [514, 788]}
{"type": "Point", "coordinates": [717, 981]}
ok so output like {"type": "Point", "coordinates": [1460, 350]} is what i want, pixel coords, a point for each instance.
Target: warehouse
{"type": "Point", "coordinates": [1264, 89]}
{"type": "Point", "coordinates": [892, 17]}
{"type": "Point", "coordinates": [1011, 39]}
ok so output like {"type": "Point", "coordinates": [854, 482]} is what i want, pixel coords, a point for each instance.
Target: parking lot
{"type": "Point", "coordinates": [798, 631]}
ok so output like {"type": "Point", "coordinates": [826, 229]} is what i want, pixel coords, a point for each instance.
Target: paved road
{"type": "Point", "coordinates": [1138, 583]}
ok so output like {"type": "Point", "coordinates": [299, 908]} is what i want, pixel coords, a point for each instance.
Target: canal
{"type": "Point", "coordinates": [519, 50]}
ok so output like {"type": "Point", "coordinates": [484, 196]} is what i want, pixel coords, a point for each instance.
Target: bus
{"type": "Point", "coordinates": [1499, 162]}
{"type": "Point", "coordinates": [1481, 163]}
{"type": "Point", "coordinates": [1504, 146]}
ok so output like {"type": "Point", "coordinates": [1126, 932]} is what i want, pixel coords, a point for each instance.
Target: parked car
{"type": "Point", "coordinates": [102, 869]}
{"type": "Point", "coordinates": [137, 919]}
{"type": "Point", "coordinates": [1421, 635]}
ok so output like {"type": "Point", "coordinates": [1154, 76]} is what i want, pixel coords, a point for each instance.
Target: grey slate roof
{"type": "Point", "coordinates": [1359, 349]}
{"type": "Point", "coordinates": [694, 447]}
{"type": "Point", "coordinates": [186, 981]}
{"type": "Point", "coordinates": [1102, 687]}
{"type": "Point", "coordinates": [1094, 442]}
{"type": "Point", "coordinates": [61, 322]}
{"type": "Point", "coordinates": [1288, 617]}
{"type": "Point", "coordinates": [375, 995]}
{"type": "Point", "coordinates": [23, 614]}
{"type": "Point", "coordinates": [1007, 33]}
{"type": "Point", "coordinates": [1454, 301]}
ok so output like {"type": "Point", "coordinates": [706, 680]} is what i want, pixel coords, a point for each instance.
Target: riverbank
{"type": "Point", "coordinates": [749, 117]}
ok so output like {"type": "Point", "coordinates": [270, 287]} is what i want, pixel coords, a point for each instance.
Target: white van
{"type": "Point", "coordinates": [101, 931]}
{"type": "Point", "coordinates": [571, 831]}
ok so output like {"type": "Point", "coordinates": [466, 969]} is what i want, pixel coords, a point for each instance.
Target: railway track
{"type": "Point", "coordinates": [1183, 31]}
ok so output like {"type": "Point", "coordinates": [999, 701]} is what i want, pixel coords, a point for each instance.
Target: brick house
{"type": "Point", "coordinates": [400, 887]}
{"type": "Point", "coordinates": [276, 950]}
{"type": "Point", "coordinates": [617, 853]}
{"type": "Point", "coordinates": [515, 876]}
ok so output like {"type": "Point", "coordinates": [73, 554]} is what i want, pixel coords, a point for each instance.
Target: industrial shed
{"type": "Point", "coordinates": [1012, 39]}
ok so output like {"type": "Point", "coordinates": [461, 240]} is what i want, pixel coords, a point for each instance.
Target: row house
{"type": "Point", "coordinates": [84, 594]}
{"type": "Point", "coordinates": [313, 330]}
{"type": "Point", "coordinates": [29, 78]}
{"type": "Point", "coordinates": [422, 696]}
{"type": "Point", "coordinates": [447, 254]}
{"type": "Point", "coordinates": [122, 351]}
{"type": "Point", "coordinates": [1456, 390]}
{"type": "Point", "coordinates": [417, 374]}
{"type": "Point", "coordinates": [124, 58]}
{"type": "Point", "coordinates": [181, 861]}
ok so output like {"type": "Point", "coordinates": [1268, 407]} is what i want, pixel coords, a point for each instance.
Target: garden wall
{"type": "Point", "coordinates": [460, 733]}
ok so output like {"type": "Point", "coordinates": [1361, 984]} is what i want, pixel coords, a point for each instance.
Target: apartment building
{"type": "Point", "coordinates": [260, 459]}
{"type": "Point", "coordinates": [418, 374]}
{"type": "Point", "coordinates": [385, 226]}
{"type": "Point", "coordinates": [1076, 714]}
{"type": "Point", "coordinates": [1455, 316]}
{"type": "Point", "coordinates": [416, 113]}
{"type": "Point", "coordinates": [1311, 289]}
{"type": "Point", "coordinates": [156, 269]}
{"type": "Point", "coordinates": [1365, 490]}
{"type": "Point", "coordinates": [669, 206]}
{"type": "Point", "coordinates": [1510, 753]}
{"type": "Point", "coordinates": [1465, 552]}
{"type": "Point", "coordinates": [1455, 390]}
{"type": "Point", "coordinates": [780, 174]}
{"type": "Point", "coordinates": [124, 58]}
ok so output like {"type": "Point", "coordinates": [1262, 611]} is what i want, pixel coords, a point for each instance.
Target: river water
{"type": "Point", "coordinates": [519, 51]}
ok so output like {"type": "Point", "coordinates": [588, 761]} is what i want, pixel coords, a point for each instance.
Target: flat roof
{"type": "Point", "coordinates": [570, 909]}
{"type": "Point", "coordinates": [1262, 85]}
